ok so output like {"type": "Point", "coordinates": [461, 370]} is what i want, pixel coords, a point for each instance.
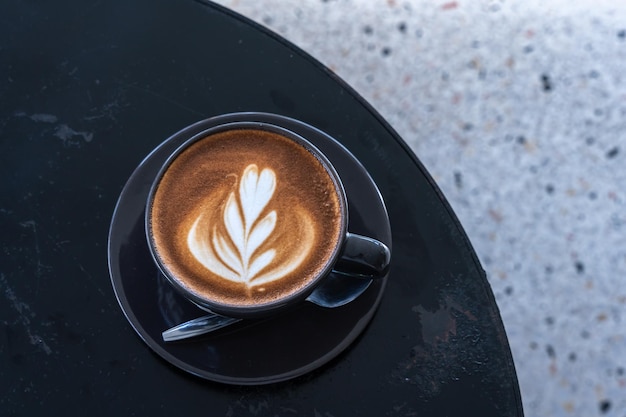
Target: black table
{"type": "Point", "coordinates": [87, 90]}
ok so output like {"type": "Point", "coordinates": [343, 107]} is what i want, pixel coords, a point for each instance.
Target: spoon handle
{"type": "Point", "coordinates": [337, 290]}
{"type": "Point", "coordinates": [198, 326]}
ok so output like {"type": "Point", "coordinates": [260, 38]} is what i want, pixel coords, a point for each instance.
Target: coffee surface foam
{"type": "Point", "coordinates": [245, 217]}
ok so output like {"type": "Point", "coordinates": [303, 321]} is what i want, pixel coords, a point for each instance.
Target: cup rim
{"type": "Point", "coordinates": [255, 310]}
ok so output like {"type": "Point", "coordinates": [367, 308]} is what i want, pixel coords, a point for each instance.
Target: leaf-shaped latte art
{"type": "Point", "coordinates": [234, 255]}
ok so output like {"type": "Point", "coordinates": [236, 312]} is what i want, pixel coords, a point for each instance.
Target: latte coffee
{"type": "Point", "coordinates": [245, 217]}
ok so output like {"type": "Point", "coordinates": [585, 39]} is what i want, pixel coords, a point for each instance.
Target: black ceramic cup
{"type": "Point", "coordinates": [246, 219]}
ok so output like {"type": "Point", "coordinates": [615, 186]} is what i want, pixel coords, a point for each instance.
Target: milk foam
{"type": "Point", "coordinates": [232, 251]}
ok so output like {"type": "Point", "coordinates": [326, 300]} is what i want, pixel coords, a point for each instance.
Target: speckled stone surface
{"type": "Point", "coordinates": [518, 110]}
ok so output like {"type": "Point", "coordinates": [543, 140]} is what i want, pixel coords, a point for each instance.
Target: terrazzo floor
{"type": "Point", "coordinates": [518, 110]}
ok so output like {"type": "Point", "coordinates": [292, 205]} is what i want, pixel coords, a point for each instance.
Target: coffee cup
{"type": "Point", "coordinates": [246, 219]}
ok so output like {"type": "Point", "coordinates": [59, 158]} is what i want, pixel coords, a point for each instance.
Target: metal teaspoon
{"type": "Point", "coordinates": [336, 290]}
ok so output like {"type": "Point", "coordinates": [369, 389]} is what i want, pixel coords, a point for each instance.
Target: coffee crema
{"type": "Point", "coordinates": [245, 217]}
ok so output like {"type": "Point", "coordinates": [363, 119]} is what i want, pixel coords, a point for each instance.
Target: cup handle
{"type": "Point", "coordinates": [363, 257]}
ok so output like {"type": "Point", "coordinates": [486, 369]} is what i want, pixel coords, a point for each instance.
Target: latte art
{"type": "Point", "coordinates": [245, 217]}
{"type": "Point", "coordinates": [235, 255]}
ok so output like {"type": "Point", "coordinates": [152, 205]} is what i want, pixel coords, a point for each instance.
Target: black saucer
{"type": "Point", "coordinates": [251, 352]}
